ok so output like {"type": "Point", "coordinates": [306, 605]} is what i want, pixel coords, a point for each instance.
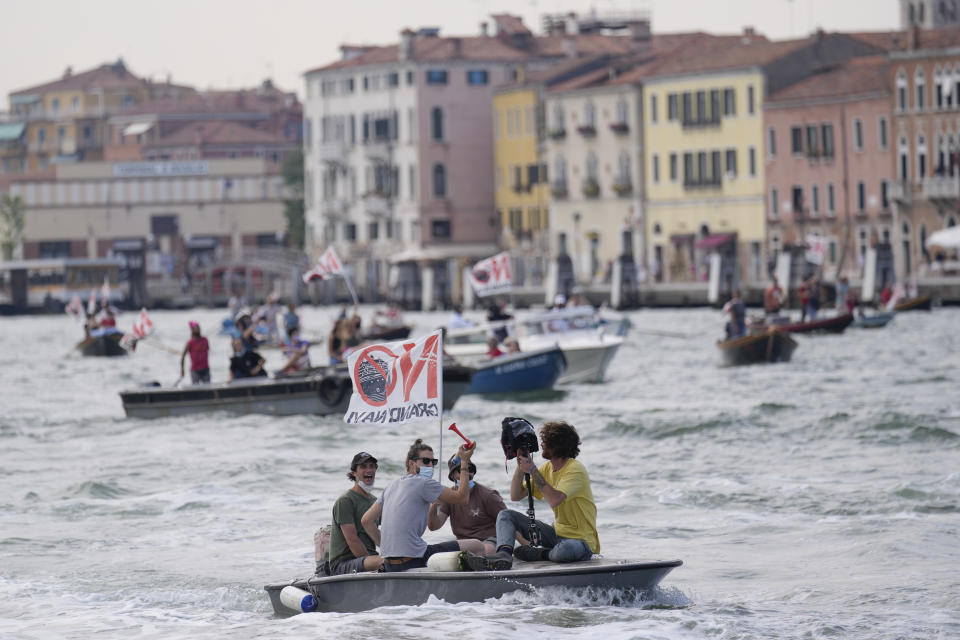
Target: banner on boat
{"type": "Point", "coordinates": [492, 275]}
{"type": "Point", "coordinates": [816, 248]}
{"type": "Point", "coordinates": [397, 382]}
{"type": "Point", "coordinates": [327, 265]}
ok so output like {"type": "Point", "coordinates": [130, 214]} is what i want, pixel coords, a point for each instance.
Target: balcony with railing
{"type": "Point", "coordinates": [623, 187]}
{"type": "Point", "coordinates": [557, 133]}
{"type": "Point", "coordinates": [591, 188]}
{"type": "Point", "coordinates": [703, 183]}
{"type": "Point", "coordinates": [587, 130]}
{"type": "Point", "coordinates": [620, 128]}
{"type": "Point", "coordinates": [899, 191]}
{"type": "Point", "coordinates": [558, 189]}
{"type": "Point", "coordinates": [944, 188]}
{"type": "Point", "coordinates": [698, 122]}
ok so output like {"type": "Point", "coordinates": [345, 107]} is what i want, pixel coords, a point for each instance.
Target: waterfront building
{"type": "Point", "coordinates": [924, 80]}
{"type": "Point", "coordinates": [172, 223]}
{"type": "Point", "coordinates": [704, 151]}
{"type": "Point", "coordinates": [399, 152]}
{"type": "Point", "coordinates": [829, 160]}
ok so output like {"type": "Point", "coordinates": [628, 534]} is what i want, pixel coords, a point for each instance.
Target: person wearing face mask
{"type": "Point", "coordinates": [476, 520]}
{"type": "Point", "coordinates": [565, 485]}
{"type": "Point", "coordinates": [403, 508]}
{"type": "Point", "coordinates": [351, 548]}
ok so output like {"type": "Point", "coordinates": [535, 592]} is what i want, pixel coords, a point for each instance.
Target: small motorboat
{"type": "Point", "coordinates": [364, 591]}
{"type": "Point", "coordinates": [321, 391]}
{"type": "Point", "coordinates": [517, 372]}
{"type": "Point", "coordinates": [873, 321]}
{"type": "Point", "coordinates": [774, 345]}
{"type": "Point", "coordinates": [919, 303]}
{"type": "Point", "coordinates": [833, 324]}
{"type": "Point", "coordinates": [102, 342]}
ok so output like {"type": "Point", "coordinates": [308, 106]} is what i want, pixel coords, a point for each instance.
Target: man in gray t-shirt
{"type": "Point", "coordinates": [403, 509]}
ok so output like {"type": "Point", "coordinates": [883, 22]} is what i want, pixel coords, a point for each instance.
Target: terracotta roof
{"type": "Point", "coordinates": [857, 77]}
{"type": "Point", "coordinates": [214, 133]}
{"type": "Point", "coordinates": [485, 48]}
{"type": "Point", "coordinates": [885, 40]}
{"type": "Point", "coordinates": [106, 76]}
{"type": "Point", "coordinates": [240, 101]}
{"type": "Point", "coordinates": [718, 54]}
{"type": "Point", "coordinates": [926, 39]}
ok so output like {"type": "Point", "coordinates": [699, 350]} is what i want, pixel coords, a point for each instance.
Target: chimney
{"type": "Point", "coordinates": [407, 36]}
{"type": "Point", "coordinates": [68, 72]}
{"type": "Point", "coordinates": [457, 47]}
{"type": "Point", "coordinates": [483, 29]}
{"type": "Point", "coordinates": [570, 46]}
{"type": "Point", "coordinates": [640, 35]}
{"type": "Point", "coordinates": [749, 31]}
{"type": "Point", "coordinates": [914, 42]}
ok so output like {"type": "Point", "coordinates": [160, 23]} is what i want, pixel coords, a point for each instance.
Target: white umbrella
{"type": "Point", "coordinates": [945, 239]}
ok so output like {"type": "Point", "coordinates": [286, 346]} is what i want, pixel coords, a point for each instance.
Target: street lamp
{"type": "Point", "coordinates": [576, 244]}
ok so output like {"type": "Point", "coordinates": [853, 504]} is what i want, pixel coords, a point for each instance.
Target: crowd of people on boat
{"type": "Point", "coordinates": [385, 533]}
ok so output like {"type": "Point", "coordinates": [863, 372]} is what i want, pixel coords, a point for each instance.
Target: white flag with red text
{"type": "Point", "coordinates": [397, 382]}
{"type": "Point", "coordinates": [492, 276]}
{"type": "Point", "coordinates": [327, 265]}
{"type": "Point", "coordinates": [816, 249]}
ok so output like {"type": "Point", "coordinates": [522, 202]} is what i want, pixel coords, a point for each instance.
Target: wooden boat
{"type": "Point", "coordinates": [920, 303]}
{"type": "Point", "coordinates": [102, 343]}
{"type": "Point", "coordinates": [322, 391]}
{"type": "Point", "coordinates": [364, 591]}
{"type": "Point", "coordinates": [772, 346]}
{"type": "Point", "coordinates": [834, 324]}
{"type": "Point", "coordinates": [873, 321]}
{"type": "Point", "coordinates": [378, 333]}
{"type": "Point", "coordinates": [518, 372]}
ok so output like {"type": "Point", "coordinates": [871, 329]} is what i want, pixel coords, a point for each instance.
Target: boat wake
{"type": "Point", "coordinates": [655, 598]}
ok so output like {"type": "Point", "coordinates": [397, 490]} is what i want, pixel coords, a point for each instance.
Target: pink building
{"type": "Point", "coordinates": [829, 165]}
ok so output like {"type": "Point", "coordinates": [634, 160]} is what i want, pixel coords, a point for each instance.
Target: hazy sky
{"type": "Point", "coordinates": [231, 43]}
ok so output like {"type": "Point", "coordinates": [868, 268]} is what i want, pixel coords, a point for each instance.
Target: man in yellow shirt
{"type": "Point", "coordinates": [565, 485]}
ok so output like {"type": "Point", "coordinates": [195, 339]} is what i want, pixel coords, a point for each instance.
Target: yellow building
{"type": "Point", "coordinates": [704, 162]}
{"type": "Point", "coordinates": [521, 188]}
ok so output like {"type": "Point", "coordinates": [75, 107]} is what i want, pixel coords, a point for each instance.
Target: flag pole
{"type": "Point", "coordinates": [353, 293]}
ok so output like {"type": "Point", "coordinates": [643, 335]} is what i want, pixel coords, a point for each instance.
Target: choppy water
{"type": "Point", "coordinates": [815, 499]}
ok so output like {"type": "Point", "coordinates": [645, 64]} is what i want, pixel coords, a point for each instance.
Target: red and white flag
{"type": "Point", "coordinates": [142, 327]}
{"type": "Point", "coordinates": [816, 248]}
{"type": "Point", "coordinates": [492, 276]}
{"type": "Point", "coordinates": [327, 265]}
{"type": "Point", "coordinates": [105, 291]}
{"type": "Point", "coordinates": [397, 382]}
{"type": "Point", "coordinates": [92, 302]}
{"type": "Point", "coordinates": [74, 308]}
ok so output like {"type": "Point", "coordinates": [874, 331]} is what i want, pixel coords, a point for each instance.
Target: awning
{"type": "Point", "coordinates": [948, 238]}
{"type": "Point", "coordinates": [11, 130]}
{"type": "Point", "coordinates": [137, 128]}
{"type": "Point", "coordinates": [714, 241]}
{"type": "Point", "coordinates": [681, 238]}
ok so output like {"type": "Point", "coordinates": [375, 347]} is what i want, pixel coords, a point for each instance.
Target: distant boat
{"type": "Point", "coordinates": [919, 303]}
{"type": "Point", "coordinates": [873, 321]}
{"type": "Point", "coordinates": [364, 591]}
{"type": "Point", "coordinates": [835, 324]}
{"type": "Point", "coordinates": [518, 372]}
{"type": "Point", "coordinates": [772, 346]}
{"type": "Point", "coordinates": [378, 333]}
{"type": "Point", "coordinates": [102, 343]}
{"type": "Point", "coordinates": [322, 391]}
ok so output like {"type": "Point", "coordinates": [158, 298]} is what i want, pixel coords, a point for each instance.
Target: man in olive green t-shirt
{"type": "Point", "coordinates": [565, 485]}
{"type": "Point", "coordinates": [351, 548]}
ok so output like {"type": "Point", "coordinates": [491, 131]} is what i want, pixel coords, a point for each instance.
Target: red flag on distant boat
{"type": "Point", "coordinates": [92, 302]}
{"type": "Point", "coordinates": [327, 265]}
{"type": "Point", "coordinates": [105, 290]}
{"type": "Point", "coordinates": [142, 327]}
{"type": "Point", "coordinates": [74, 308]}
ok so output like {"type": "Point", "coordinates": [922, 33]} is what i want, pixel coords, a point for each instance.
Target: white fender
{"type": "Point", "coordinates": [445, 561]}
{"type": "Point", "coordinates": [297, 599]}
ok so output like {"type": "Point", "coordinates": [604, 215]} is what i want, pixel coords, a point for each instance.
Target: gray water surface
{"type": "Point", "coordinates": [814, 499]}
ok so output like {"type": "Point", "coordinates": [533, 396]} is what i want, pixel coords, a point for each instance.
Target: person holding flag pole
{"type": "Point", "coordinates": [329, 265]}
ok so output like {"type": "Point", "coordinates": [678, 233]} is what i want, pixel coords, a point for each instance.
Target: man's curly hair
{"type": "Point", "coordinates": [561, 438]}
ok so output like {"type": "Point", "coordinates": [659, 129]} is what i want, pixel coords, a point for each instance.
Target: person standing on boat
{"type": "Point", "coordinates": [352, 550]}
{"type": "Point", "coordinates": [476, 520]}
{"type": "Point", "coordinates": [457, 321]}
{"type": "Point", "coordinates": [404, 506]}
{"type": "Point", "coordinates": [773, 298]}
{"type": "Point", "coordinates": [198, 348]}
{"type": "Point", "coordinates": [737, 326]}
{"type": "Point", "coordinates": [564, 483]}
{"type": "Point", "coordinates": [290, 319]}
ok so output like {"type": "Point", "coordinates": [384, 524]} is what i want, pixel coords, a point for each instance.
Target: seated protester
{"type": "Point", "coordinates": [351, 548]}
{"type": "Point", "coordinates": [476, 520]}
{"type": "Point", "coordinates": [245, 363]}
{"type": "Point", "coordinates": [296, 352]}
{"type": "Point", "coordinates": [493, 348]}
{"type": "Point", "coordinates": [403, 509]}
{"type": "Point", "coordinates": [563, 482]}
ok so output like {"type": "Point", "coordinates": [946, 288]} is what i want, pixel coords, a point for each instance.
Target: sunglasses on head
{"type": "Point", "coordinates": [430, 461]}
